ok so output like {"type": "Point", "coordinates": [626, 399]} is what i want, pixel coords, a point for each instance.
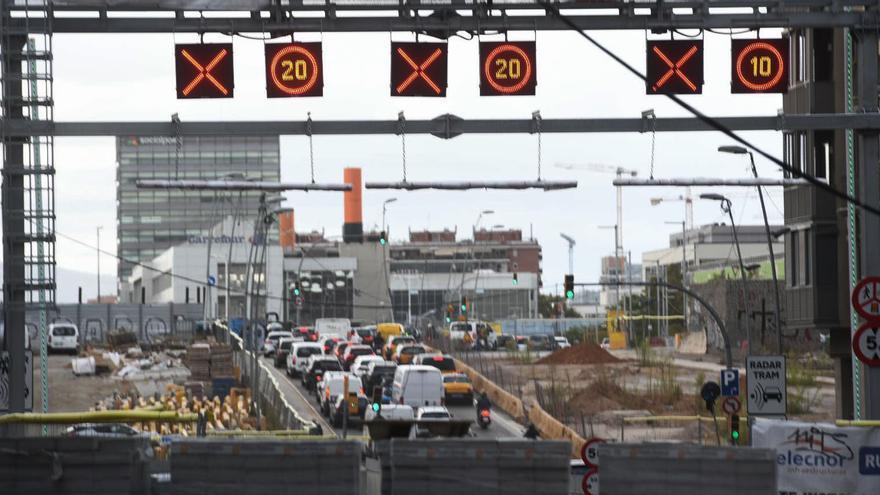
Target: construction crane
{"type": "Point", "coordinates": [606, 169]}
{"type": "Point", "coordinates": [688, 205]}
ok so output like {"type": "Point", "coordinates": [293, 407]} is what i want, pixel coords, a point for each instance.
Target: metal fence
{"type": "Point", "coordinates": [270, 400]}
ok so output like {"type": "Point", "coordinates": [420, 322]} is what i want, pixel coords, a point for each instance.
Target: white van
{"type": "Point", "coordinates": [333, 327]}
{"type": "Point", "coordinates": [299, 355]}
{"type": "Point", "coordinates": [417, 386]}
{"type": "Point", "coordinates": [63, 337]}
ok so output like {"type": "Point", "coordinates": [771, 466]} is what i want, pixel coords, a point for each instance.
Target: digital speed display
{"type": "Point", "coordinates": [294, 69]}
{"type": "Point", "coordinates": [204, 70]}
{"type": "Point", "coordinates": [508, 68]}
{"type": "Point", "coordinates": [759, 66]}
{"type": "Point", "coordinates": [675, 67]}
{"type": "Point", "coordinates": [418, 69]}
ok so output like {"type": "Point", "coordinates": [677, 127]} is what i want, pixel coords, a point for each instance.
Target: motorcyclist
{"type": "Point", "coordinates": [531, 432]}
{"type": "Point", "coordinates": [483, 402]}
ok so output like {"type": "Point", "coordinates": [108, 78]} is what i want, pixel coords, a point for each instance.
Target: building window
{"type": "Point", "coordinates": [805, 259]}
{"type": "Point", "coordinates": [822, 154]}
{"type": "Point", "coordinates": [788, 152]}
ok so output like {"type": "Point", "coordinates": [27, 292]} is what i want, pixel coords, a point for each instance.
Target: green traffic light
{"type": "Point", "coordinates": [463, 308]}
{"type": "Point", "coordinates": [515, 281]}
{"type": "Point", "coordinates": [382, 241]}
{"type": "Point", "coordinates": [448, 319]}
{"type": "Point", "coordinates": [376, 407]}
{"type": "Point", "coordinates": [734, 435]}
{"type": "Point", "coordinates": [569, 294]}
{"type": "Point", "coordinates": [295, 292]}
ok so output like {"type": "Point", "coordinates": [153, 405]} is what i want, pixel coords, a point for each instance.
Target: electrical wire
{"type": "Point", "coordinates": [711, 121]}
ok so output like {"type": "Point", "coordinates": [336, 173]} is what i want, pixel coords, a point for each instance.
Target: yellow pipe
{"type": "Point", "coordinates": [132, 416]}
{"type": "Point", "coordinates": [869, 423]}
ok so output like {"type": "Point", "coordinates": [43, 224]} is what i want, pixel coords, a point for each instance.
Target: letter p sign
{"type": "Point", "coordinates": [730, 382]}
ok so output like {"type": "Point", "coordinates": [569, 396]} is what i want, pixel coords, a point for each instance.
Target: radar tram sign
{"type": "Point", "coordinates": [765, 385]}
{"type": "Point", "coordinates": [866, 302]}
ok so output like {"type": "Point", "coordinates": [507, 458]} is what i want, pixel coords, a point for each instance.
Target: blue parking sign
{"type": "Point", "coordinates": [730, 382]}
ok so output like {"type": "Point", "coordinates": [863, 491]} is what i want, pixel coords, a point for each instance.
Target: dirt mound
{"type": "Point", "coordinates": [579, 354]}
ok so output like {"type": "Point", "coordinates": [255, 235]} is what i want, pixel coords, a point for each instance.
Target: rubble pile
{"type": "Point", "coordinates": [198, 360]}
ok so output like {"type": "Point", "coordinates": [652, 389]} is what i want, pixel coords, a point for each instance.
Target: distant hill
{"type": "Point", "coordinates": [69, 281]}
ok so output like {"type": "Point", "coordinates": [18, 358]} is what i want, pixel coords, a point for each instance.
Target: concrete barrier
{"type": "Point", "coordinates": [61, 466]}
{"type": "Point", "coordinates": [646, 469]}
{"type": "Point", "coordinates": [442, 467]}
{"type": "Point", "coordinates": [222, 466]}
{"type": "Point", "coordinates": [550, 428]}
{"type": "Point", "coordinates": [500, 398]}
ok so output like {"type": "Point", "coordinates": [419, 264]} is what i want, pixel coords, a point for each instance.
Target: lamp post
{"type": "Point", "coordinates": [474, 257]}
{"type": "Point", "coordinates": [725, 207]}
{"type": "Point", "coordinates": [98, 259]}
{"type": "Point", "coordinates": [739, 150]}
{"type": "Point", "coordinates": [571, 244]}
{"type": "Point", "coordinates": [616, 271]}
{"type": "Point", "coordinates": [684, 269]}
{"type": "Point", "coordinates": [384, 208]}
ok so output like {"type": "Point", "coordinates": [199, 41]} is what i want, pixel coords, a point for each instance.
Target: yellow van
{"type": "Point", "coordinates": [388, 330]}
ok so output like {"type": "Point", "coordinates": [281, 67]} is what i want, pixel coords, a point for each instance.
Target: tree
{"type": "Point", "coordinates": [548, 306]}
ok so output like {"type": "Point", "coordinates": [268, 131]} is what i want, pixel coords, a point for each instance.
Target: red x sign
{"type": "Point", "coordinates": [204, 71]}
{"type": "Point", "coordinates": [418, 69]}
{"type": "Point", "coordinates": [675, 67]}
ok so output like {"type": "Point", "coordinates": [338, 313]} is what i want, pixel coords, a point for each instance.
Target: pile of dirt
{"type": "Point", "coordinates": [579, 354]}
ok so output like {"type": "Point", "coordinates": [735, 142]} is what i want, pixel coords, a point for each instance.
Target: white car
{"type": "Point", "coordinates": [429, 413]}
{"type": "Point", "coordinates": [561, 342]}
{"type": "Point", "coordinates": [391, 412]}
{"type": "Point", "coordinates": [361, 363]}
{"type": "Point", "coordinates": [331, 386]}
{"type": "Point", "coordinates": [271, 342]}
{"type": "Point", "coordinates": [63, 337]}
{"type": "Point", "coordinates": [299, 355]}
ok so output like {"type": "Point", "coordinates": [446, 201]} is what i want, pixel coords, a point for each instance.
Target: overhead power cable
{"type": "Point", "coordinates": [710, 121]}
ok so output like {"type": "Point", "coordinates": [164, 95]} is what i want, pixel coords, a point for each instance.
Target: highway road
{"type": "Point", "coordinates": [503, 426]}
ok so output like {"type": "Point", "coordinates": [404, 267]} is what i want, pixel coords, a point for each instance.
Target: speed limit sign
{"type": "Point", "coordinates": [866, 343]}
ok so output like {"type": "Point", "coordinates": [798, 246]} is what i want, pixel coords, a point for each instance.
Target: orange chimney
{"type": "Point", "coordinates": [353, 228]}
{"type": "Point", "coordinates": [286, 231]}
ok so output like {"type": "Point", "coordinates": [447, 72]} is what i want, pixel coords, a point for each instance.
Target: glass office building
{"type": "Point", "coordinates": [148, 221]}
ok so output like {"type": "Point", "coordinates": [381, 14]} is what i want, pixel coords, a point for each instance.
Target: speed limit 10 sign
{"type": "Point", "coordinates": [866, 343]}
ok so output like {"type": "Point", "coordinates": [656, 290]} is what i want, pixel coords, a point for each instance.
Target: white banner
{"type": "Point", "coordinates": [820, 458]}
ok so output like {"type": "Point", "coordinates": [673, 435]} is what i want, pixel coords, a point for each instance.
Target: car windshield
{"type": "Point", "coordinates": [365, 332]}
{"type": "Point", "coordinates": [64, 331]}
{"type": "Point", "coordinates": [456, 379]}
{"type": "Point", "coordinates": [328, 366]}
{"type": "Point", "coordinates": [361, 351]}
{"type": "Point", "coordinates": [435, 415]}
{"type": "Point", "coordinates": [307, 351]}
{"type": "Point", "coordinates": [413, 350]}
{"type": "Point", "coordinates": [441, 363]}
{"type": "Point", "coordinates": [285, 345]}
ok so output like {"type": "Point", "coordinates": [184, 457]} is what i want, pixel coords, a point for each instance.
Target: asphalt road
{"type": "Point", "coordinates": [304, 402]}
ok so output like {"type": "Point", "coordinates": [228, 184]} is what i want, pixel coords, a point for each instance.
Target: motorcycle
{"type": "Point", "coordinates": [484, 418]}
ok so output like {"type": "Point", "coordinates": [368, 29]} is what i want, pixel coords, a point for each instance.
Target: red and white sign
{"type": "Point", "coordinates": [866, 343]}
{"type": "Point", "coordinates": [590, 452]}
{"type": "Point", "coordinates": [590, 483]}
{"type": "Point", "coordinates": [865, 299]}
{"type": "Point", "coordinates": [731, 405]}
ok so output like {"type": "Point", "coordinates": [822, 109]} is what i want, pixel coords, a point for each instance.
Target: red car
{"type": "Point", "coordinates": [353, 351]}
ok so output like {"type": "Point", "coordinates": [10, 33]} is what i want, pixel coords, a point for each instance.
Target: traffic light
{"type": "Point", "coordinates": [734, 429]}
{"type": "Point", "coordinates": [377, 401]}
{"type": "Point", "coordinates": [463, 304]}
{"type": "Point", "coordinates": [515, 278]}
{"type": "Point", "coordinates": [569, 286]}
{"type": "Point", "coordinates": [449, 312]}
{"type": "Point", "coordinates": [296, 289]}
{"type": "Point", "coordinates": [382, 239]}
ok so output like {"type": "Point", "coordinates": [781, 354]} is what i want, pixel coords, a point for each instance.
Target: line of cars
{"type": "Point", "coordinates": [411, 381]}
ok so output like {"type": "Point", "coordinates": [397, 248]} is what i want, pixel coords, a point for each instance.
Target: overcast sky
{"type": "Point", "coordinates": [131, 77]}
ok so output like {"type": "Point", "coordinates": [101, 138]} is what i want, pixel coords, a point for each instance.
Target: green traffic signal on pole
{"type": "Point", "coordinates": [376, 407]}
{"type": "Point", "coordinates": [515, 278]}
{"type": "Point", "coordinates": [734, 429]}
{"type": "Point", "coordinates": [569, 294]}
{"type": "Point", "coordinates": [382, 239]}
{"type": "Point", "coordinates": [569, 286]}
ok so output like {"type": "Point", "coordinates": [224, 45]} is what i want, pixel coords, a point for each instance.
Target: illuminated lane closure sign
{"type": "Point", "coordinates": [418, 69]}
{"type": "Point", "coordinates": [759, 66]}
{"type": "Point", "coordinates": [294, 69]}
{"type": "Point", "coordinates": [508, 68]}
{"type": "Point", "coordinates": [675, 67]}
{"type": "Point", "coordinates": [204, 70]}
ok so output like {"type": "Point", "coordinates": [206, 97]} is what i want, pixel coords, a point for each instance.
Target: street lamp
{"type": "Point", "coordinates": [725, 207]}
{"type": "Point", "coordinates": [571, 243]}
{"type": "Point", "coordinates": [616, 270]}
{"type": "Point", "coordinates": [384, 207]}
{"type": "Point", "coordinates": [684, 269]}
{"type": "Point", "coordinates": [739, 150]}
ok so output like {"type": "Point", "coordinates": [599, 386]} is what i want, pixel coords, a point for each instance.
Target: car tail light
{"type": "Point", "coordinates": [484, 413]}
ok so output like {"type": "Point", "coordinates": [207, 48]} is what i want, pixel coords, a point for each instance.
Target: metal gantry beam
{"type": "Point", "coordinates": [708, 181]}
{"type": "Point", "coordinates": [442, 19]}
{"type": "Point", "coordinates": [444, 126]}
{"type": "Point", "coordinates": [238, 185]}
{"type": "Point", "coordinates": [547, 185]}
